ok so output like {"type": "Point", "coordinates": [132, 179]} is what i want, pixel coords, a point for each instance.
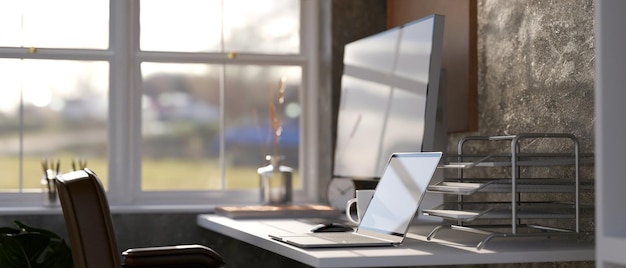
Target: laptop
{"type": "Point", "coordinates": [394, 205]}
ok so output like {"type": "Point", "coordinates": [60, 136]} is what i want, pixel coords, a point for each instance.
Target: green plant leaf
{"type": "Point", "coordinates": [59, 255]}
{"type": "Point", "coordinates": [32, 244]}
{"type": "Point", "coordinates": [11, 253]}
{"type": "Point", "coordinates": [8, 230]}
{"type": "Point", "coordinates": [30, 247]}
{"type": "Point", "coordinates": [30, 229]}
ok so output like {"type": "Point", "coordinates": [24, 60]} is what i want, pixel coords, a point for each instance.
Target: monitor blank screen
{"type": "Point", "coordinates": [389, 97]}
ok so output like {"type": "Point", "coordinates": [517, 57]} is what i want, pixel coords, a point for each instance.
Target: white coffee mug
{"type": "Point", "coordinates": [362, 200]}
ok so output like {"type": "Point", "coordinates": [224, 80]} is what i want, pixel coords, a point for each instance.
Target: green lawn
{"type": "Point", "coordinates": [161, 174]}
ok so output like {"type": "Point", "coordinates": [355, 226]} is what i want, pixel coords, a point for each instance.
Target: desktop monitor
{"type": "Point", "coordinates": [389, 97]}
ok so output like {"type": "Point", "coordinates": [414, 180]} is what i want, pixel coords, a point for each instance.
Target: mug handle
{"type": "Point", "coordinates": [348, 215]}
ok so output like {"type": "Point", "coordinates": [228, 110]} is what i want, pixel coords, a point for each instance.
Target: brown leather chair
{"type": "Point", "coordinates": [91, 235]}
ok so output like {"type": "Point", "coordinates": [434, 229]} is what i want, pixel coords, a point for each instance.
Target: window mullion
{"type": "Point", "coordinates": [135, 92]}
{"type": "Point", "coordinates": [55, 54]}
{"type": "Point", "coordinates": [313, 146]}
{"type": "Point", "coordinates": [122, 140]}
{"type": "Point", "coordinates": [220, 58]}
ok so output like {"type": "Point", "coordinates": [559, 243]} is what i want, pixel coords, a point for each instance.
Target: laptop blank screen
{"type": "Point", "coordinates": [399, 192]}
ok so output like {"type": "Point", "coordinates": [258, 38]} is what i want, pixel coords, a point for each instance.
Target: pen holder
{"type": "Point", "coordinates": [48, 181]}
{"type": "Point", "coordinates": [276, 182]}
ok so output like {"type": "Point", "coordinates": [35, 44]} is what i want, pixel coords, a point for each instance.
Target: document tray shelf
{"type": "Point", "coordinates": [513, 154]}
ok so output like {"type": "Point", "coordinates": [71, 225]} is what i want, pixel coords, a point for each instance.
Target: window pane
{"type": "Point", "coordinates": [10, 85]}
{"type": "Point", "coordinates": [248, 134]}
{"type": "Point", "coordinates": [180, 120]}
{"type": "Point", "coordinates": [262, 26]}
{"type": "Point", "coordinates": [55, 24]}
{"type": "Point", "coordinates": [181, 130]}
{"type": "Point", "coordinates": [64, 106]}
{"type": "Point", "coordinates": [184, 25]}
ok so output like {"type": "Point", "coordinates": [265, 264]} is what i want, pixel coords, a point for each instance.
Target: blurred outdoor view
{"type": "Point", "coordinates": [204, 126]}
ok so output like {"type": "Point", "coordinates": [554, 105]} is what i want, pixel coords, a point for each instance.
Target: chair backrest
{"type": "Point", "coordinates": [88, 220]}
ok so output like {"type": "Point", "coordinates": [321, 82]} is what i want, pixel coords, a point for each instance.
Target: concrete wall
{"type": "Point", "coordinates": [535, 64]}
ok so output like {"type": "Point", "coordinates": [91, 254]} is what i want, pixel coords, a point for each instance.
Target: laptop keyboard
{"type": "Point", "coordinates": [343, 237]}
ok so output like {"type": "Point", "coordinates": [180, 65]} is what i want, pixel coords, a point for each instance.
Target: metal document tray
{"type": "Point", "coordinates": [463, 188]}
{"type": "Point", "coordinates": [495, 214]}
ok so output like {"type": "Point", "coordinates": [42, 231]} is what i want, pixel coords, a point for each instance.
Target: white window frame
{"type": "Point", "coordinates": [124, 131]}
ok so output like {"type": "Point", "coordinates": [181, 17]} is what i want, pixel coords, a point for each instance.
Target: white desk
{"type": "Point", "coordinates": [448, 248]}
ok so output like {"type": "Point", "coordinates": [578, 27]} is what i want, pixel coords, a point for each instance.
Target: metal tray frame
{"type": "Point", "coordinates": [516, 185]}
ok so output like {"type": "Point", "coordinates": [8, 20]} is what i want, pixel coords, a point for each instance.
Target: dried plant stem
{"type": "Point", "coordinates": [275, 118]}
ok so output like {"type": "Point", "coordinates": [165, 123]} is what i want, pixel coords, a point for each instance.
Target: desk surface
{"type": "Point", "coordinates": [449, 247]}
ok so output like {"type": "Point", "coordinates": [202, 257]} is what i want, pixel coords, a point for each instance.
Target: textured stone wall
{"type": "Point", "coordinates": [536, 71]}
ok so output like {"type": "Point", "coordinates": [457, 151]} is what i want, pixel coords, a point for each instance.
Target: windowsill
{"type": "Point", "coordinates": [56, 209]}
{"type": "Point", "coordinates": [30, 210]}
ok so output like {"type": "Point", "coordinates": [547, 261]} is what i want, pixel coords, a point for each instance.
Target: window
{"type": "Point", "coordinates": [167, 101]}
